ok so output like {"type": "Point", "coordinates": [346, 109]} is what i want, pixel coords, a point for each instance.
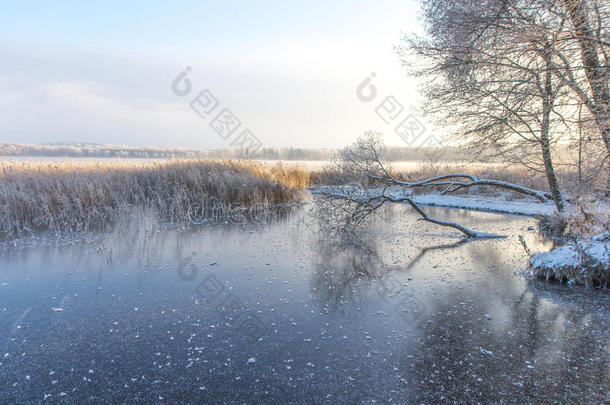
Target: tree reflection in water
{"type": "Point", "coordinates": [492, 337]}
{"type": "Point", "coordinates": [349, 263]}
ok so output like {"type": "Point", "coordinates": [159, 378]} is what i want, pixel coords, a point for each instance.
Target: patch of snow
{"type": "Point", "coordinates": [487, 352]}
{"type": "Point", "coordinates": [599, 251]}
{"type": "Point", "coordinates": [569, 255]}
{"type": "Point", "coordinates": [528, 207]}
{"type": "Point", "coordinates": [581, 262]}
{"type": "Point", "coordinates": [563, 256]}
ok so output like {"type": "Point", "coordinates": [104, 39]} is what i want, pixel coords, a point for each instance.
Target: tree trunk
{"type": "Point", "coordinates": [597, 76]}
{"type": "Point", "coordinates": [544, 132]}
{"type": "Point", "coordinates": [550, 171]}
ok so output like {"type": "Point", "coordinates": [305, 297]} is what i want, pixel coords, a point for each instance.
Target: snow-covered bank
{"type": "Point", "coordinates": [524, 206]}
{"type": "Point", "coordinates": [528, 206]}
{"type": "Point", "coordinates": [585, 262]}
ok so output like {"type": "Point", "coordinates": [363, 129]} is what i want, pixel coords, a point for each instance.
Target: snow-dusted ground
{"type": "Point", "coordinates": [524, 206]}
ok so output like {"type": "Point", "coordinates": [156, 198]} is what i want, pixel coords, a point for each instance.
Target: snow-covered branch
{"type": "Point", "coordinates": [363, 163]}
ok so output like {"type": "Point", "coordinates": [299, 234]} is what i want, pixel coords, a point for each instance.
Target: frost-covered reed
{"type": "Point", "coordinates": [83, 196]}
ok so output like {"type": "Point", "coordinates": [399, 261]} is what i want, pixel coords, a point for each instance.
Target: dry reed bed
{"type": "Point", "coordinates": [83, 196]}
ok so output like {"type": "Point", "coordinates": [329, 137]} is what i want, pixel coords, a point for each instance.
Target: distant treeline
{"type": "Point", "coordinates": [86, 150]}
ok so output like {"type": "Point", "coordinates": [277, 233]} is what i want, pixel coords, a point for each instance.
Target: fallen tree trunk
{"type": "Point", "coordinates": [362, 162]}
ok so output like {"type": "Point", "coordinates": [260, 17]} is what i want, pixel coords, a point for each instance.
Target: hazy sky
{"type": "Point", "coordinates": [101, 71]}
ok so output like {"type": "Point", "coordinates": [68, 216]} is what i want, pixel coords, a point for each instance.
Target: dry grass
{"type": "Point", "coordinates": [82, 196]}
{"type": "Point", "coordinates": [584, 219]}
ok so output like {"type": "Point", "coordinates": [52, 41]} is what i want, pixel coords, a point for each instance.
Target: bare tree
{"type": "Point", "coordinates": [502, 73]}
{"type": "Point", "coordinates": [580, 60]}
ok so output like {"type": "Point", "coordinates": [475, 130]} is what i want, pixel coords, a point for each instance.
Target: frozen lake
{"type": "Point", "coordinates": [283, 313]}
{"type": "Point", "coordinates": [312, 165]}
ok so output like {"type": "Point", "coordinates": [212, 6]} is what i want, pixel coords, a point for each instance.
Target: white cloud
{"type": "Point", "coordinates": [289, 91]}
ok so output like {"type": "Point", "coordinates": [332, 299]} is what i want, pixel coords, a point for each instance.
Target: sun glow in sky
{"type": "Point", "coordinates": [100, 71]}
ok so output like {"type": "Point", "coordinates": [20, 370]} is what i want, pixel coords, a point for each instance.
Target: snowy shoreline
{"type": "Point", "coordinates": [524, 206]}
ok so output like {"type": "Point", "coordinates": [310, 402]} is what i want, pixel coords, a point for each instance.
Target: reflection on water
{"type": "Point", "coordinates": [289, 312]}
